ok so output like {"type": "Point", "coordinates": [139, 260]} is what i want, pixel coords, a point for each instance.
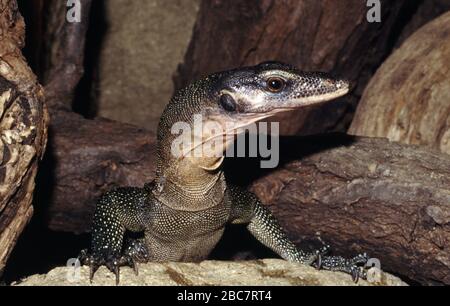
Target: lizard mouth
{"type": "Point", "coordinates": [254, 106]}
{"type": "Point", "coordinates": [246, 119]}
{"type": "Point", "coordinates": [298, 103]}
{"type": "Point", "coordinates": [313, 100]}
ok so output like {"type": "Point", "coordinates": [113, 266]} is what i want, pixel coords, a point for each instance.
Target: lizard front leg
{"type": "Point", "coordinates": [262, 224]}
{"type": "Point", "coordinates": [117, 211]}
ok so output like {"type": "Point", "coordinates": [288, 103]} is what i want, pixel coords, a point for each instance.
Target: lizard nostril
{"type": "Point", "coordinates": [328, 83]}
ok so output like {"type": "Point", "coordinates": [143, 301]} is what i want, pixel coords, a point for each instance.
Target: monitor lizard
{"type": "Point", "coordinates": [183, 213]}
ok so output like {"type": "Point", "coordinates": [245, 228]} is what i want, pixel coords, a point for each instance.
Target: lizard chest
{"type": "Point", "coordinates": [174, 223]}
{"type": "Point", "coordinates": [185, 235]}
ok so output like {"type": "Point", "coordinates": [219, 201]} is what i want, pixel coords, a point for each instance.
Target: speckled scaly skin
{"type": "Point", "coordinates": [183, 213]}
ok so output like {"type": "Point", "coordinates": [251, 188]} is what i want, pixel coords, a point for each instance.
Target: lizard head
{"type": "Point", "coordinates": [233, 100]}
{"type": "Point", "coordinates": [250, 94]}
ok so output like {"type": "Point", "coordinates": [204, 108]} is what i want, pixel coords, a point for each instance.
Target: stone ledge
{"type": "Point", "coordinates": [267, 272]}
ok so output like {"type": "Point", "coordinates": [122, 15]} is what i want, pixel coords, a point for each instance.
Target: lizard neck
{"type": "Point", "coordinates": [184, 185]}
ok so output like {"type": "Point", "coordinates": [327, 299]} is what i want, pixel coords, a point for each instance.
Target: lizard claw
{"type": "Point", "coordinates": [132, 264]}
{"type": "Point", "coordinates": [360, 269]}
{"type": "Point", "coordinates": [320, 253]}
{"type": "Point", "coordinates": [359, 272]}
{"type": "Point", "coordinates": [355, 275]}
{"type": "Point", "coordinates": [112, 262]}
{"type": "Point", "coordinates": [137, 251]}
{"type": "Point", "coordinates": [86, 259]}
{"type": "Point", "coordinates": [319, 262]}
{"type": "Point", "coordinates": [92, 269]}
{"type": "Point", "coordinates": [355, 266]}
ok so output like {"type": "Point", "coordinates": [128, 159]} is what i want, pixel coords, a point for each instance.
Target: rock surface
{"type": "Point", "coordinates": [260, 272]}
{"type": "Point", "coordinates": [408, 98]}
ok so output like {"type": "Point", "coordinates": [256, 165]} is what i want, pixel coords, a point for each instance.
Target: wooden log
{"type": "Point", "coordinates": [88, 158]}
{"type": "Point", "coordinates": [408, 98]}
{"type": "Point", "coordinates": [312, 35]}
{"type": "Point", "coordinates": [367, 195]}
{"type": "Point", "coordinates": [23, 130]}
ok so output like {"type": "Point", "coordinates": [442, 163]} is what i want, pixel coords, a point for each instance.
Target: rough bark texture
{"type": "Point", "coordinates": [64, 49]}
{"type": "Point", "coordinates": [408, 98]}
{"type": "Point", "coordinates": [89, 157]}
{"type": "Point", "coordinates": [23, 130]}
{"type": "Point", "coordinates": [368, 195]}
{"type": "Point", "coordinates": [324, 35]}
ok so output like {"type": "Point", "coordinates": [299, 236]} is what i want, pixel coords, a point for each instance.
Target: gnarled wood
{"type": "Point", "coordinates": [23, 130]}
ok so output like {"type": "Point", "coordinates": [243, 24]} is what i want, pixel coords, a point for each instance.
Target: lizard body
{"type": "Point", "coordinates": [183, 213]}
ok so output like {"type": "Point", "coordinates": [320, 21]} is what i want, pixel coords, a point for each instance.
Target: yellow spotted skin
{"type": "Point", "coordinates": [183, 213]}
{"type": "Point", "coordinates": [117, 211]}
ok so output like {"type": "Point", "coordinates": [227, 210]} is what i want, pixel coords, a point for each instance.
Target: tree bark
{"type": "Point", "coordinates": [64, 47]}
{"type": "Point", "coordinates": [23, 130]}
{"type": "Point", "coordinates": [312, 35]}
{"type": "Point", "coordinates": [88, 158]}
{"type": "Point", "coordinates": [408, 98]}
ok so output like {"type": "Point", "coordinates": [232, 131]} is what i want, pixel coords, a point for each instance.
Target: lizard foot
{"type": "Point", "coordinates": [354, 266]}
{"type": "Point", "coordinates": [112, 262]}
{"type": "Point", "coordinates": [134, 252]}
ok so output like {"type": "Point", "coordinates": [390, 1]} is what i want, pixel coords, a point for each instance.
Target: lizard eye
{"type": "Point", "coordinates": [275, 84]}
{"type": "Point", "coordinates": [227, 102]}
